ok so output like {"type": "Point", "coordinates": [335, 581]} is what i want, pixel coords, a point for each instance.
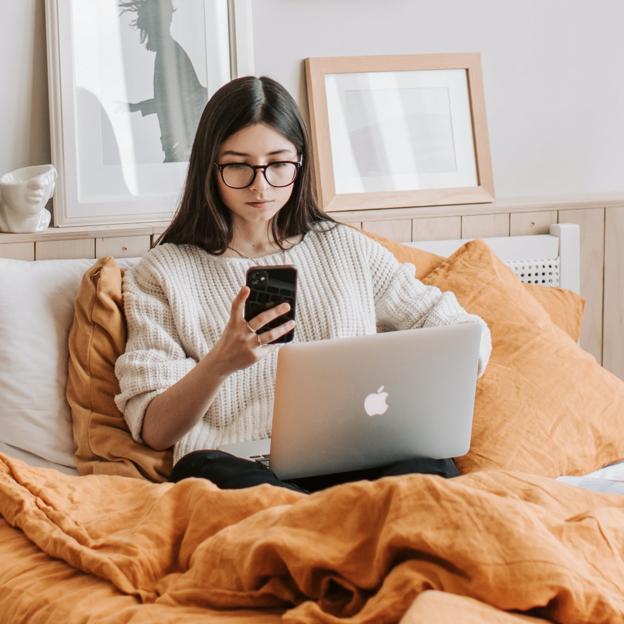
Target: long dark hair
{"type": "Point", "coordinates": [202, 218]}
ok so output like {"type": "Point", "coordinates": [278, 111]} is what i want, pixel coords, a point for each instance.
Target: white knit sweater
{"type": "Point", "coordinates": [177, 301]}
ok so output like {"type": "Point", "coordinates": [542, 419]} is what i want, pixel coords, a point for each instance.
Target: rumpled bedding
{"type": "Point", "coordinates": [491, 546]}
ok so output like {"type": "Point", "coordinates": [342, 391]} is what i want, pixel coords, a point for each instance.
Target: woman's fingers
{"type": "Point", "coordinates": [238, 304]}
{"type": "Point", "coordinates": [259, 321]}
{"type": "Point", "coordinates": [273, 334]}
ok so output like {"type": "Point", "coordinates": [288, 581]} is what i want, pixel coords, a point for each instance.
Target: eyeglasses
{"type": "Point", "coordinates": [241, 175]}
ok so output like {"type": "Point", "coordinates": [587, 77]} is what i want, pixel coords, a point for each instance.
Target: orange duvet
{"type": "Point", "coordinates": [486, 547]}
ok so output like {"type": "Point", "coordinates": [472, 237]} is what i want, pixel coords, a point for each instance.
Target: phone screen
{"type": "Point", "coordinates": [270, 286]}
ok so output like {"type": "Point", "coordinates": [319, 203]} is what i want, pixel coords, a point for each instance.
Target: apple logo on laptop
{"type": "Point", "coordinates": [375, 403]}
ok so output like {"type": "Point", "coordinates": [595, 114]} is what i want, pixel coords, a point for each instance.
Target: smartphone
{"type": "Point", "coordinates": [270, 286]}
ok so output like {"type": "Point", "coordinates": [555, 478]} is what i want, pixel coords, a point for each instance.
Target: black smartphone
{"type": "Point", "coordinates": [270, 286]}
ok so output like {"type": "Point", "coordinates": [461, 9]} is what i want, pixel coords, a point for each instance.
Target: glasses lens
{"type": "Point", "coordinates": [281, 173]}
{"type": "Point", "coordinates": [237, 175]}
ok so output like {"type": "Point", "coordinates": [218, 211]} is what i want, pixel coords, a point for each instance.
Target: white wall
{"type": "Point", "coordinates": [553, 73]}
{"type": "Point", "coordinates": [24, 124]}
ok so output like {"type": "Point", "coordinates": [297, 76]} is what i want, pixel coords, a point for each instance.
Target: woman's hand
{"type": "Point", "coordinates": [176, 411]}
{"type": "Point", "coordinates": [242, 344]}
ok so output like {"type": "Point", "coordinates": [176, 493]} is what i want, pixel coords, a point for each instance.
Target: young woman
{"type": "Point", "coordinates": [195, 374]}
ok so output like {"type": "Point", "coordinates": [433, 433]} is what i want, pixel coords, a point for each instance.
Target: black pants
{"type": "Point", "coordinates": [231, 473]}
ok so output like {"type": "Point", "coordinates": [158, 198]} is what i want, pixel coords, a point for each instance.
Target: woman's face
{"type": "Point", "coordinates": [257, 144]}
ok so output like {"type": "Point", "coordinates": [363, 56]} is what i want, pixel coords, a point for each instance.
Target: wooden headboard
{"type": "Point", "coordinates": [552, 259]}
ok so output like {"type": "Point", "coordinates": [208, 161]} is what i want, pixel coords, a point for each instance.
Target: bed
{"type": "Point", "coordinates": [533, 530]}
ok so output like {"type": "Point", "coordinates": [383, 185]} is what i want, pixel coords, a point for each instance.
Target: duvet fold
{"type": "Point", "coordinates": [507, 546]}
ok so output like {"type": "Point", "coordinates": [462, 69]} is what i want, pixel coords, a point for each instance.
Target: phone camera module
{"type": "Point", "coordinates": [258, 278]}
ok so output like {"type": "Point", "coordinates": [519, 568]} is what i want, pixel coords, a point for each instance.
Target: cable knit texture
{"type": "Point", "coordinates": [178, 298]}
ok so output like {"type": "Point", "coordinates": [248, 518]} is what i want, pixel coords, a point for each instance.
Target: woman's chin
{"type": "Point", "coordinates": [259, 215]}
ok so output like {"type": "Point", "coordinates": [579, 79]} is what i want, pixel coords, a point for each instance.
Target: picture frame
{"type": "Point", "coordinates": [399, 131]}
{"type": "Point", "coordinates": [128, 80]}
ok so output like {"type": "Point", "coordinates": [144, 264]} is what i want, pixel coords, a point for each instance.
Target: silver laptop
{"type": "Point", "coordinates": [353, 403]}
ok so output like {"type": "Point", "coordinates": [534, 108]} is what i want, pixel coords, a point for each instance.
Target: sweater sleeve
{"type": "Point", "coordinates": [404, 302]}
{"type": "Point", "coordinates": [154, 359]}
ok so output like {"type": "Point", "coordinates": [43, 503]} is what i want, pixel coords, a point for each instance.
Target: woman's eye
{"type": "Point", "coordinates": [236, 166]}
{"type": "Point", "coordinates": [278, 165]}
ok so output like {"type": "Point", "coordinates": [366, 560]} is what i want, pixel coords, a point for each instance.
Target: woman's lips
{"type": "Point", "coordinates": [259, 204]}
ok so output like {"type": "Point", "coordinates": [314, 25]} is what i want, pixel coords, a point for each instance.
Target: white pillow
{"type": "Point", "coordinates": [35, 460]}
{"type": "Point", "coordinates": [36, 313]}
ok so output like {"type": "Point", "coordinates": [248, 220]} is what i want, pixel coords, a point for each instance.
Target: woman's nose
{"type": "Point", "coordinates": [259, 182]}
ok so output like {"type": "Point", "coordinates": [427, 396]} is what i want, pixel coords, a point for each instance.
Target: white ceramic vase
{"type": "Point", "coordinates": [23, 196]}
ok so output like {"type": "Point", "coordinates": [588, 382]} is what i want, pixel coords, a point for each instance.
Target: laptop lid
{"type": "Point", "coordinates": [353, 403]}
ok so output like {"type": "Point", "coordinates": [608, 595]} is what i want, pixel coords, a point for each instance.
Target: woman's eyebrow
{"type": "Point", "coordinates": [274, 153]}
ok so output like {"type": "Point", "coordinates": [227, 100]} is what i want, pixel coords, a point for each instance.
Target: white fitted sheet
{"type": "Point", "coordinates": [609, 479]}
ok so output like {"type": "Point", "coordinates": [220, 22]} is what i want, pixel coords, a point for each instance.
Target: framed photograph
{"type": "Point", "coordinates": [399, 131]}
{"type": "Point", "coordinates": [128, 81]}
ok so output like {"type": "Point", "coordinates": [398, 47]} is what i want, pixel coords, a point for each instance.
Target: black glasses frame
{"type": "Point", "coordinates": [262, 168]}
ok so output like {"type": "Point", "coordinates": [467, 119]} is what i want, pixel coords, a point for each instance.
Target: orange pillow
{"type": "Point", "coordinates": [544, 405]}
{"type": "Point", "coordinates": [564, 306]}
{"type": "Point", "coordinates": [425, 261]}
{"type": "Point", "coordinates": [97, 338]}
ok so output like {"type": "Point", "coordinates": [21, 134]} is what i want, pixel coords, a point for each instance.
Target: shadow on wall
{"type": "Point", "coordinates": [179, 97]}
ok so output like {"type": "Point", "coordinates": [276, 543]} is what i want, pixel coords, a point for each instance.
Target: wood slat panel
{"type": "Point", "coordinates": [436, 228]}
{"type": "Point", "coordinates": [613, 326]}
{"type": "Point", "coordinates": [522, 204]}
{"type": "Point", "coordinates": [61, 249]}
{"type": "Point", "coordinates": [84, 231]}
{"type": "Point", "coordinates": [122, 247]}
{"type": "Point", "coordinates": [481, 226]}
{"type": "Point", "coordinates": [509, 205]}
{"type": "Point", "coordinates": [399, 230]}
{"type": "Point", "coordinates": [19, 251]}
{"type": "Point", "coordinates": [527, 223]}
{"type": "Point", "coordinates": [592, 265]}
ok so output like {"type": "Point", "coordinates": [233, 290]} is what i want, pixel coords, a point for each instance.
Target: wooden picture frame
{"type": "Point", "coordinates": [128, 81]}
{"type": "Point", "coordinates": [417, 135]}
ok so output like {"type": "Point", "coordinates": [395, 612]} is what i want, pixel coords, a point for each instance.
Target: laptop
{"type": "Point", "coordinates": [352, 403]}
